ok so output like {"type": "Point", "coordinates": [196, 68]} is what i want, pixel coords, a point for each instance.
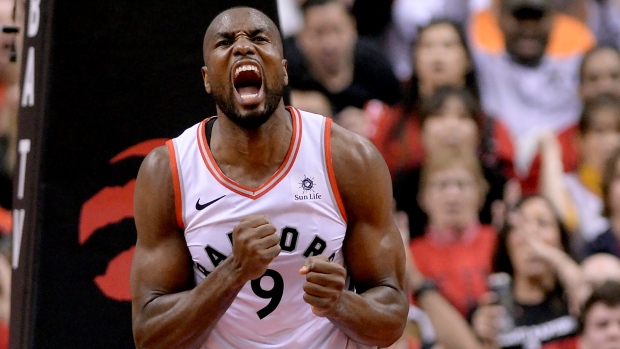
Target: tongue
{"type": "Point", "coordinates": [248, 92]}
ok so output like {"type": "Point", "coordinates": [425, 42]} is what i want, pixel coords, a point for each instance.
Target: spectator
{"type": "Point", "coordinates": [597, 269]}
{"type": "Point", "coordinates": [600, 318]}
{"type": "Point", "coordinates": [409, 15]}
{"type": "Point", "coordinates": [440, 325]}
{"type": "Point", "coordinates": [527, 60]}
{"type": "Point", "coordinates": [600, 267]}
{"type": "Point", "coordinates": [545, 281]}
{"type": "Point", "coordinates": [609, 240]}
{"type": "Point", "coordinates": [600, 73]}
{"type": "Point", "coordinates": [452, 190]}
{"type": "Point", "coordinates": [327, 56]}
{"type": "Point", "coordinates": [451, 123]}
{"type": "Point", "coordinates": [441, 57]}
{"type": "Point", "coordinates": [578, 195]}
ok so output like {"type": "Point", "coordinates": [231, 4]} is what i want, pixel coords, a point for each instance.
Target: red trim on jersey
{"type": "Point", "coordinates": [176, 182]}
{"type": "Point", "coordinates": [252, 193]}
{"type": "Point", "coordinates": [327, 137]}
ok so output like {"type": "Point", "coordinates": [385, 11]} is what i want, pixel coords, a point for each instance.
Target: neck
{"type": "Point", "coordinates": [444, 233]}
{"type": "Point", "coordinates": [427, 88]}
{"type": "Point", "coordinates": [532, 290]}
{"type": "Point", "coordinates": [528, 62]}
{"type": "Point", "coordinates": [254, 154]}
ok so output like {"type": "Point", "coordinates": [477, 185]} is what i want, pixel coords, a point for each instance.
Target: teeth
{"type": "Point", "coordinates": [249, 96]}
{"type": "Point", "coordinates": [246, 68]}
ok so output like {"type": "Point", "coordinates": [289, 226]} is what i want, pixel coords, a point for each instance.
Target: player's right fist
{"type": "Point", "coordinates": [255, 245]}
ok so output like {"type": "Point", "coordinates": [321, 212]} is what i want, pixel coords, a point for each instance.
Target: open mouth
{"type": "Point", "coordinates": [247, 81]}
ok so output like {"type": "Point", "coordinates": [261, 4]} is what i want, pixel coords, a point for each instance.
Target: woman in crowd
{"type": "Point", "coordinates": [450, 122]}
{"type": "Point", "coordinates": [441, 57]}
{"type": "Point", "coordinates": [600, 73]}
{"type": "Point", "coordinates": [546, 282]}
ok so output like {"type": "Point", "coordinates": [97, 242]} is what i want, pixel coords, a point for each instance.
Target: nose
{"type": "Point", "coordinates": [243, 46]}
{"type": "Point", "coordinates": [452, 122]}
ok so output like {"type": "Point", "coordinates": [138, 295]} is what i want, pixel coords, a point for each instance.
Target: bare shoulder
{"type": "Point", "coordinates": [351, 151]}
{"type": "Point", "coordinates": [362, 175]}
{"type": "Point", "coordinates": [154, 208]}
{"type": "Point", "coordinates": [155, 164]}
{"type": "Point", "coordinates": [155, 174]}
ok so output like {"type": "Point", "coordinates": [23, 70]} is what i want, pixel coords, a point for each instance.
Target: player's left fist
{"type": "Point", "coordinates": [324, 284]}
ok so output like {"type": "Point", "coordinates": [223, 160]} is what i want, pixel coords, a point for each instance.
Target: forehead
{"type": "Point", "coordinates": [534, 206]}
{"type": "Point", "coordinates": [240, 19]}
{"type": "Point", "coordinates": [602, 310]}
{"type": "Point", "coordinates": [330, 10]}
{"type": "Point", "coordinates": [602, 59]}
{"type": "Point", "coordinates": [456, 170]}
{"type": "Point", "coordinates": [439, 30]}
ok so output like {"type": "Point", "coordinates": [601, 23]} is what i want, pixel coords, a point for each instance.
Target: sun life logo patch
{"type": "Point", "coordinates": [307, 184]}
{"type": "Point", "coordinates": [304, 188]}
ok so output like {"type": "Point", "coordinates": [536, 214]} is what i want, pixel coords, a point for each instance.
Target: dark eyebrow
{"type": "Point", "coordinates": [259, 31]}
{"type": "Point", "coordinates": [224, 35]}
{"type": "Point", "coordinates": [229, 35]}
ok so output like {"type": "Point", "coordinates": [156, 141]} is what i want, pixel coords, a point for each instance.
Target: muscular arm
{"type": "Point", "coordinates": [373, 249]}
{"type": "Point", "coordinates": [167, 311]}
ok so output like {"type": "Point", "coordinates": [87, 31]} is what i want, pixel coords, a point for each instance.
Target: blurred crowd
{"type": "Point", "coordinates": [499, 121]}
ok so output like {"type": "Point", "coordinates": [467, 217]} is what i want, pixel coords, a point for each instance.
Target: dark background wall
{"type": "Point", "coordinates": [112, 80]}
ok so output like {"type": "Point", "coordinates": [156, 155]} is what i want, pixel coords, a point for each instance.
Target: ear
{"type": "Point", "coordinates": [285, 68]}
{"type": "Point", "coordinates": [205, 78]}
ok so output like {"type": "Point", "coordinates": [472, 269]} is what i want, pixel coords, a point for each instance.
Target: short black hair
{"type": "Point", "coordinates": [608, 294]}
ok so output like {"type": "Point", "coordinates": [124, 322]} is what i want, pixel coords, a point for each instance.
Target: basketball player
{"type": "Point", "coordinates": [264, 226]}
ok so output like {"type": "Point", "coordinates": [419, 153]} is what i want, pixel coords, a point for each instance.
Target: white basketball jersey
{"type": "Point", "coordinates": [302, 201]}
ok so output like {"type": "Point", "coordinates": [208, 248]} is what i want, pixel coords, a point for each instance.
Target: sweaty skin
{"type": "Point", "coordinates": [169, 311]}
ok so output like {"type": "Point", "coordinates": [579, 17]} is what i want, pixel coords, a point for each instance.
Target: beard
{"type": "Point", "coordinates": [249, 120]}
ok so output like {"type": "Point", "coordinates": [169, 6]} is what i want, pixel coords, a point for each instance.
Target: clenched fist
{"type": "Point", "coordinates": [255, 245]}
{"type": "Point", "coordinates": [324, 284]}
